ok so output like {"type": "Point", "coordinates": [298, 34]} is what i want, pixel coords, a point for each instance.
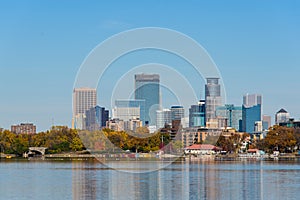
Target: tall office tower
{"type": "Point", "coordinates": [266, 120]}
{"type": "Point", "coordinates": [83, 100]}
{"type": "Point", "coordinates": [251, 112]}
{"type": "Point", "coordinates": [147, 88]}
{"type": "Point", "coordinates": [213, 98]}
{"type": "Point", "coordinates": [197, 114]}
{"type": "Point", "coordinates": [96, 118]}
{"type": "Point", "coordinates": [282, 116]}
{"type": "Point", "coordinates": [177, 112]}
{"type": "Point", "coordinates": [129, 109]}
{"type": "Point", "coordinates": [163, 117]}
{"type": "Point", "coordinates": [232, 113]}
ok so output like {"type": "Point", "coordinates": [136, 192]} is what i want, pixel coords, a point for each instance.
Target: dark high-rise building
{"type": "Point", "coordinates": [251, 112]}
{"type": "Point", "coordinates": [212, 97]}
{"type": "Point", "coordinates": [147, 88]}
{"type": "Point", "coordinates": [177, 112]}
{"type": "Point", "coordinates": [197, 114]}
{"type": "Point", "coordinates": [96, 118]}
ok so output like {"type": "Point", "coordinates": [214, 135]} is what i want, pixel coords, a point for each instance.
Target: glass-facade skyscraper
{"type": "Point", "coordinates": [232, 113]}
{"type": "Point", "coordinates": [197, 114]}
{"type": "Point", "coordinates": [212, 97]}
{"type": "Point", "coordinates": [96, 118]}
{"type": "Point", "coordinates": [147, 88]}
{"type": "Point", "coordinates": [251, 112]}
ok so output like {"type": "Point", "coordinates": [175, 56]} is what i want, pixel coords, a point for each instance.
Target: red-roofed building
{"type": "Point", "coordinates": [253, 151]}
{"type": "Point", "coordinates": [202, 149]}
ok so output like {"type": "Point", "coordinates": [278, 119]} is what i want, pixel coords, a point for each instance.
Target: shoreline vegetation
{"type": "Point", "coordinates": [150, 157]}
{"type": "Point", "coordinates": [63, 142]}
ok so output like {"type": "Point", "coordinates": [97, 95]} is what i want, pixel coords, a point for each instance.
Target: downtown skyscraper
{"type": "Point", "coordinates": [251, 112]}
{"type": "Point", "coordinates": [147, 88]}
{"type": "Point", "coordinates": [213, 98]}
{"type": "Point", "coordinates": [96, 118]}
{"type": "Point", "coordinates": [83, 100]}
{"type": "Point", "coordinates": [197, 114]}
{"type": "Point", "coordinates": [232, 113]}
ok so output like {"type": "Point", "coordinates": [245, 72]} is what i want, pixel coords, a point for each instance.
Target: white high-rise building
{"type": "Point", "coordinates": [126, 113]}
{"type": "Point", "coordinates": [213, 98]}
{"type": "Point", "coordinates": [163, 117]}
{"type": "Point", "coordinates": [83, 100]}
{"type": "Point", "coordinates": [129, 109]}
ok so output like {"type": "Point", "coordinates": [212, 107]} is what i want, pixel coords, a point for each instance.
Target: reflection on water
{"type": "Point", "coordinates": [196, 180]}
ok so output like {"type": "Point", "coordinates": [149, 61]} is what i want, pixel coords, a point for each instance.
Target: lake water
{"type": "Point", "coordinates": [22, 179]}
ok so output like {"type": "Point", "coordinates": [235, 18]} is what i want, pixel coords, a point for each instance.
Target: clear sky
{"type": "Point", "coordinates": [255, 44]}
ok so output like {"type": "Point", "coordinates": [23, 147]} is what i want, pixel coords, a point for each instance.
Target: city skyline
{"type": "Point", "coordinates": [246, 118]}
{"type": "Point", "coordinates": [38, 77]}
{"type": "Point", "coordinates": [88, 98]}
{"type": "Point", "coordinates": [150, 99]}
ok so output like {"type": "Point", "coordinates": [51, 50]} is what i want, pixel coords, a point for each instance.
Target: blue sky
{"type": "Point", "coordinates": [255, 44]}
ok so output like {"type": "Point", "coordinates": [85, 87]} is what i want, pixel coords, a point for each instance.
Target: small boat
{"type": "Point", "coordinates": [8, 156]}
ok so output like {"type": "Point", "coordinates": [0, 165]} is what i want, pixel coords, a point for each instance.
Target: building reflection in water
{"type": "Point", "coordinates": [185, 180]}
{"type": "Point", "coordinates": [84, 180]}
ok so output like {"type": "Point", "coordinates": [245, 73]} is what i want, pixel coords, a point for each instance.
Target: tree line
{"type": "Point", "coordinates": [62, 139]}
{"type": "Point", "coordinates": [282, 139]}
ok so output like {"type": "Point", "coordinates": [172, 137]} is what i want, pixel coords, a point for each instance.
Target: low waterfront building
{"type": "Point", "coordinates": [173, 130]}
{"type": "Point", "coordinates": [190, 136]}
{"type": "Point", "coordinates": [291, 123]}
{"type": "Point", "coordinates": [115, 124]}
{"type": "Point", "coordinates": [202, 149]}
{"type": "Point", "coordinates": [24, 128]}
{"type": "Point", "coordinates": [132, 124]}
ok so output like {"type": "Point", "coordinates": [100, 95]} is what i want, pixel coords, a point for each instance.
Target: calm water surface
{"type": "Point", "coordinates": [22, 179]}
